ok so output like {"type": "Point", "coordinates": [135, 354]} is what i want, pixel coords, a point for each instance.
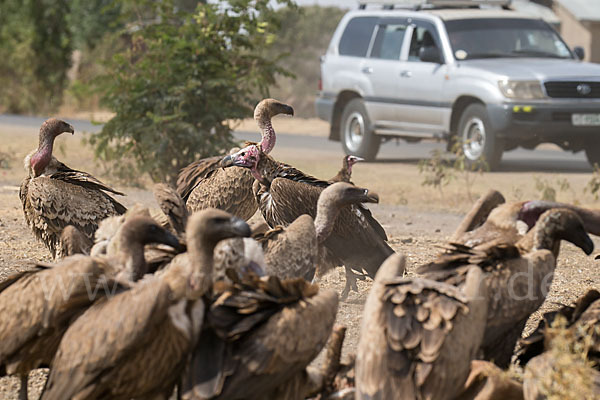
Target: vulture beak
{"type": "Point", "coordinates": [583, 241]}
{"type": "Point", "coordinates": [170, 240]}
{"type": "Point", "coordinates": [368, 197]}
{"type": "Point", "coordinates": [355, 159]}
{"type": "Point", "coordinates": [71, 130]}
{"type": "Point", "coordinates": [227, 161]}
{"type": "Point", "coordinates": [239, 227]}
{"type": "Point", "coordinates": [288, 110]}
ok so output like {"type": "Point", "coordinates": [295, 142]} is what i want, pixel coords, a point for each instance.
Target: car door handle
{"type": "Point", "coordinates": [367, 70]}
{"type": "Point", "coordinates": [405, 74]}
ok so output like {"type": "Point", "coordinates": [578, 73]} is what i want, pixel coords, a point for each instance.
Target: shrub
{"type": "Point", "coordinates": [183, 76]}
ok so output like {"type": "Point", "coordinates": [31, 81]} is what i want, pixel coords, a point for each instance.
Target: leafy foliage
{"type": "Point", "coordinates": [549, 190]}
{"type": "Point", "coordinates": [35, 49]}
{"type": "Point", "coordinates": [593, 185]}
{"type": "Point", "coordinates": [183, 76]}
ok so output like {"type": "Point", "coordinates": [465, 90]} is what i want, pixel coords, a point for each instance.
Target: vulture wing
{"type": "Point", "coordinates": [196, 172]}
{"type": "Point", "coordinates": [102, 351]}
{"type": "Point", "coordinates": [259, 339]}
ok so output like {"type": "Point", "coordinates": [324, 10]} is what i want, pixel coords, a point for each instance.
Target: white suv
{"type": "Point", "coordinates": [487, 76]}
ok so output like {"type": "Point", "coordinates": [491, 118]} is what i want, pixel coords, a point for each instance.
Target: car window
{"type": "Point", "coordinates": [357, 36]}
{"type": "Point", "coordinates": [423, 36]}
{"type": "Point", "coordinates": [388, 42]}
{"type": "Point", "coordinates": [491, 38]}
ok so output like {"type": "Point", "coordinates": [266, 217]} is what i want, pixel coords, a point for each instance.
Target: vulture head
{"type": "Point", "coordinates": [349, 161]}
{"type": "Point", "coordinates": [268, 108]}
{"type": "Point", "coordinates": [532, 210]}
{"type": "Point", "coordinates": [50, 129]}
{"type": "Point", "coordinates": [145, 230]}
{"type": "Point", "coordinates": [248, 157]}
{"type": "Point", "coordinates": [342, 193]}
{"type": "Point", "coordinates": [264, 111]}
{"type": "Point", "coordinates": [561, 224]}
{"type": "Point", "coordinates": [204, 230]}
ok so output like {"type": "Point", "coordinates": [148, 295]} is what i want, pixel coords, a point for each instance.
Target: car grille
{"type": "Point", "coordinates": [573, 89]}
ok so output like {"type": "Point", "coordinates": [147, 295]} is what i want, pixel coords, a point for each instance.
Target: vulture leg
{"type": "Point", "coordinates": [351, 279]}
{"type": "Point", "coordinates": [478, 213]}
{"type": "Point", "coordinates": [23, 387]}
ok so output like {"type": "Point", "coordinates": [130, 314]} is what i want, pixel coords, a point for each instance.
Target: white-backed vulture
{"type": "Point", "coordinates": [172, 206]}
{"type": "Point", "coordinates": [54, 195]}
{"type": "Point", "coordinates": [135, 344]}
{"type": "Point", "coordinates": [284, 193]}
{"type": "Point", "coordinates": [72, 242]}
{"type": "Point", "coordinates": [418, 336]}
{"type": "Point", "coordinates": [345, 173]}
{"type": "Point", "coordinates": [293, 251]}
{"type": "Point", "coordinates": [36, 306]}
{"type": "Point", "coordinates": [259, 335]}
{"type": "Point", "coordinates": [519, 275]}
{"type": "Point", "coordinates": [204, 184]}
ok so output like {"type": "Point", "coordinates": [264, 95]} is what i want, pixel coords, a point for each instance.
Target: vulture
{"type": "Point", "coordinates": [519, 275]}
{"type": "Point", "coordinates": [260, 334]}
{"type": "Point", "coordinates": [418, 336]}
{"type": "Point", "coordinates": [345, 173]}
{"type": "Point", "coordinates": [72, 242]}
{"type": "Point", "coordinates": [284, 193]}
{"type": "Point", "coordinates": [135, 344]}
{"type": "Point", "coordinates": [204, 184]}
{"type": "Point", "coordinates": [36, 306]}
{"type": "Point", "coordinates": [293, 251]}
{"type": "Point", "coordinates": [173, 208]}
{"type": "Point", "coordinates": [54, 195]}
{"type": "Point", "coordinates": [545, 352]}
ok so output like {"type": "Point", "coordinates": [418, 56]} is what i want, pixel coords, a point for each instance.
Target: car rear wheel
{"type": "Point", "coordinates": [592, 152]}
{"type": "Point", "coordinates": [478, 140]}
{"type": "Point", "coordinates": [356, 134]}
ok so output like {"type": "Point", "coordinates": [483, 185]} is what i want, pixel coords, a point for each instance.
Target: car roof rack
{"type": "Point", "coordinates": [432, 4]}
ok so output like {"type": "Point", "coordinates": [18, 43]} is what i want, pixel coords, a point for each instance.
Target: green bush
{"type": "Point", "coordinates": [35, 49]}
{"type": "Point", "coordinates": [183, 76]}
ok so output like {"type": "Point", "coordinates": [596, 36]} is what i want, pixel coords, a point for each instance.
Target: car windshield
{"type": "Point", "coordinates": [504, 37]}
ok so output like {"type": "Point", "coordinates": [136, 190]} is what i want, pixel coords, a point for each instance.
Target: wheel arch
{"type": "Point", "coordinates": [344, 97]}
{"type": "Point", "coordinates": [460, 104]}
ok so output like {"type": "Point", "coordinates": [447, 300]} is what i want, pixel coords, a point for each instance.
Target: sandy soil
{"type": "Point", "coordinates": [417, 219]}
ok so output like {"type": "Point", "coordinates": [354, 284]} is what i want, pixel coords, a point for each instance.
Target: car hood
{"type": "Point", "coordinates": [535, 68]}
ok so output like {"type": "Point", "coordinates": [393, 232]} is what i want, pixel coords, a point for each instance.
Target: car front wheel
{"type": "Point", "coordinates": [478, 141]}
{"type": "Point", "coordinates": [357, 137]}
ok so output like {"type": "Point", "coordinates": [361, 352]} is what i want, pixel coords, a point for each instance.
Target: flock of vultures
{"type": "Point", "coordinates": [193, 302]}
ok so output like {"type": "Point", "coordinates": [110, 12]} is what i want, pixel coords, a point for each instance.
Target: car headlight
{"type": "Point", "coordinates": [521, 90]}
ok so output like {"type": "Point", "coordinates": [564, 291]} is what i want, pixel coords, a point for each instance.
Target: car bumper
{"type": "Point", "coordinates": [324, 106]}
{"type": "Point", "coordinates": [542, 122]}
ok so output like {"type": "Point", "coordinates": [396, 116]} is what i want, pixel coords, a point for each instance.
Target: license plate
{"type": "Point", "coordinates": [585, 119]}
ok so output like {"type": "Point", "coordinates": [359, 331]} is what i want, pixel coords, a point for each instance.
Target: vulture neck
{"type": "Point", "coordinates": [544, 238]}
{"type": "Point", "coordinates": [42, 157]}
{"type": "Point", "coordinates": [327, 212]}
{"type": "Point", "coordinates": [268, 134]}
{"type": "Point", "coordinates": [266, 170]}
{"type": "Point", "coordinates": [129, 252]}
{"type": "Point", "coordinates": [200, 250]}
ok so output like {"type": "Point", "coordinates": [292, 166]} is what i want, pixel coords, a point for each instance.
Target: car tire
{"type": "Point", "coordinates": [592, 153]}
{"type": "Point", "coordinates": [356, 134]}
{"type": "Point", "coordinates": [478, 140]}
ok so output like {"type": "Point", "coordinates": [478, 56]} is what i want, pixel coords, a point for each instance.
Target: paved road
{"type": "Point", "coordinates": [517, 160]}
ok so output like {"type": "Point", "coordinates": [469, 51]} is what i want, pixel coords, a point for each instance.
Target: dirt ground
{"type": "Point", "coordinates": [416, 218]}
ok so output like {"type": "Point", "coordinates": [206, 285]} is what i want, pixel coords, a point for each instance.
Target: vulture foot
{"type": "Point", "coordinates": [351, 278]}
{"type": "Point", "coordinates": [23, 387]}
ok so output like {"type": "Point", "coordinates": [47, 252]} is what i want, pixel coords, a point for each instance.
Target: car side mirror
{"type": "Point", "coordinates": [430, 54]}
{"type": "Point", "coordinates": [579, 52]}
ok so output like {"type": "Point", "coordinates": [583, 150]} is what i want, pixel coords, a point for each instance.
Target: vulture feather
{"type": "Point", "coordinates": [519, 275]}
{"type": "Point", "coordinates": [284, 193]}
{"type": "Point", "coordinates": [418, 336]}
{"type": "Point", "coordinates": [37, 306]}
{"type": "Point", "coordinates": [140, 353]}
{"type": "Point", "coordinates": [203, 184]}
{"type": "Point", "coordinates": [261, 333]}
{"type": "Point", "coordinates": [54, 195]}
